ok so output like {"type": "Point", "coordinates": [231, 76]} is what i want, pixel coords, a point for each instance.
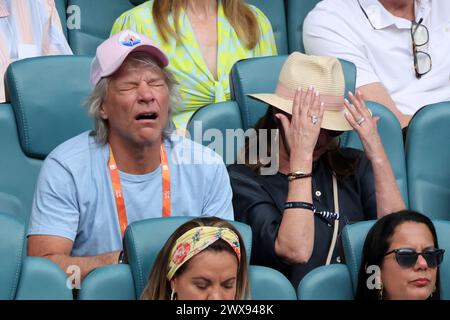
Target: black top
{"type": "Point", "coordinates": [259, 200]}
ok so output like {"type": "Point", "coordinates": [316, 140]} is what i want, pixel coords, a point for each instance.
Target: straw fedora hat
{"type": "Point", "coordinates": [324, 74]}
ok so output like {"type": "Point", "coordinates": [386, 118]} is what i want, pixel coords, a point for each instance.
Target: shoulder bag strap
{"type": "Point", "coordinates": [336, 222]}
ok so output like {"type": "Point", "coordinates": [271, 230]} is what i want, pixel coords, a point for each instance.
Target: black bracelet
{"type": "Point", "coordinates": [300, 205]}
{"type": "Point", "coordinates": [121, 257]}
{"type": "Point", "coordinates": [298, 175]}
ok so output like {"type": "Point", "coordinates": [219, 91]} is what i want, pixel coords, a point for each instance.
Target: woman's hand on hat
{"type": "Point", "coordinates": [360, 118]}
{"type": "Point", "coordinates": [303, 130]}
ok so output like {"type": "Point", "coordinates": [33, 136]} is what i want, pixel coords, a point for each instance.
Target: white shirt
{"type": "Point", "coordinates": [381, 48]}
{"type": "Point", "coordinates": [28, 28]}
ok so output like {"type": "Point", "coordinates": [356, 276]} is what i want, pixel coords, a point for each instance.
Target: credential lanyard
{"type": "Point", "coordinates": [117, 187]}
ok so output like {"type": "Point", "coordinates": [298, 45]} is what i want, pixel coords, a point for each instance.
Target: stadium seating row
{"type": "Point", "coordinates": [36, 278]}
{"type": "Point", "coordinates": [49, 111]}
{"type": "Point", "coordinates": [95, 19]}
{"type": "Point", "coordinates": [32, 278]}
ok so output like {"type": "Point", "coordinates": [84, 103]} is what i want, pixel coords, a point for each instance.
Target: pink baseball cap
{"type": "Point", "coordinates": [113, 51]}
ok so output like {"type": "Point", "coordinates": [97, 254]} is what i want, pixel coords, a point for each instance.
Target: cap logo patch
{"type": "Point", "coordinates": [130, 39]}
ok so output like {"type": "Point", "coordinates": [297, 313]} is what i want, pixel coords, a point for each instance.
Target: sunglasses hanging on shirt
{"type": "Point", "coordinates": [420, 37]}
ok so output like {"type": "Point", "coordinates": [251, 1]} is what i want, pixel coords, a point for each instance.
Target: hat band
{"type": "Point", "coordinates": [331, 102]}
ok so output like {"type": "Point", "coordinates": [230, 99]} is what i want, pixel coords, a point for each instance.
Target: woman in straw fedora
{"type": "Point", "coordinates": [296, 214]}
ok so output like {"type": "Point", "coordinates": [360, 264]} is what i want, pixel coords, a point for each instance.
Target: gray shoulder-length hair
{"type": "Point", "coordinates": [95, 100]}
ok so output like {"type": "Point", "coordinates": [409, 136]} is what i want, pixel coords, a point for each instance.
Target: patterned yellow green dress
{"type": "Point", "coordinates": [197, 86]}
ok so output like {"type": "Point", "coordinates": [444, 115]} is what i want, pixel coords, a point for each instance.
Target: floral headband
{"type": "Point", "coordinates": [195, 241]}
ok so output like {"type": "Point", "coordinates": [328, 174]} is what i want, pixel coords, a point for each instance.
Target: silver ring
{"type": "Point", "coordinates": [360, 121]}
{"type": "Point", "coordinates": [314, 119]}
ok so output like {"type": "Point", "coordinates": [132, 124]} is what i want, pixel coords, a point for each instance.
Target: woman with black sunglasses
{"type": "Point", "coordinates": [400, 260]}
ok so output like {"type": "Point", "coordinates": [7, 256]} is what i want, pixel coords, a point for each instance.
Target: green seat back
{"type": "Point", "coordinates": [428, 161]}
{"type": "Point", "coordinates": [330, 282]}
{"type": "Point", "coordinates": [61, 8]}
{"type": "Point", "coordinates": [44, 112]}
{"type": "Point", "coordinates": [269, 284]}
{"type": "Point", "coordinates": [296, 11]}
{"type": "Point", "coordinates": [275, 12]}
{"type": "Point", "coordinates": [97, 19]}
{"type": "Point", "coordinates": [22, 277]}
{"type": "Point", "coordinates": [218, 126]}
{"type": "Point", "coordinates": [112, 282]}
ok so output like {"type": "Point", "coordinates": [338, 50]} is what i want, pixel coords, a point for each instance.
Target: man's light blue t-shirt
{"type": "Point", "coordinates": [74, 197]}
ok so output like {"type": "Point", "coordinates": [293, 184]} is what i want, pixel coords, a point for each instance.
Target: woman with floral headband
{"type": "Point", "coordinates": [204, 259]}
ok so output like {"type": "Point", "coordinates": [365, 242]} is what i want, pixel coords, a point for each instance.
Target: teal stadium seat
{"type": "Point", "coordinates": [246, 77]}
{"type": "Point", "coordinates": [428, 161]}
{"type": "Point", "coordinates": [275, 12]}
{"type": "Point", "coordinates": [330, 282]}
{"type": "Point", "coordinates": [22, 277]}
{"type": "Point", "coordinates": [269, 284]}
{"type": "Point", "coordinates": [296, 12]}
{"type": "Point", "coordinates": [61, 7]}
{"type": "Point", "coordinates": [47, 95]}
{"type": "Point", "coordinates": [143, 241]}
{"type": "Point", "coordinates": [334, 282]}
{"type": "Point", "coordinates": [219, 126]}
{"type": "Point", "coordinates": [113, 282]}
{"type": "Point", "coordinates": [97, 19]}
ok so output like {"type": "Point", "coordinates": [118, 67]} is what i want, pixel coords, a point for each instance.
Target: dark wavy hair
{"type": "Point", "coordinates": [377, 244]}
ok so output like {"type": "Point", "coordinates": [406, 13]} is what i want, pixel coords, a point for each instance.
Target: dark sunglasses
{"type": "Point", "coordinates": [407, 258]}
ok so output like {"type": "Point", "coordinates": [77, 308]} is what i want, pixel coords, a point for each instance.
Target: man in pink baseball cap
{"type": "Point", "coordinates": [130, 167]}
{"type": "Point", "coordinates": [112, 53]}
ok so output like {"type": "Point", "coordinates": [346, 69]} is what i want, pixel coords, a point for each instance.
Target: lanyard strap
{"type": "Point", "coordinates": [118, 194]}
{"type": "Point", "coordinates": [165, 172]}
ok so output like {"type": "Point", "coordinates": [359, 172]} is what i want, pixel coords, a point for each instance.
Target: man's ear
{"type": "Point", "coordinates": [103, 112]}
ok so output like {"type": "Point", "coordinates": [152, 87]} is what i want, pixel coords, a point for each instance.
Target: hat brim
{"type": "Point", "coordinates": [153, 51]}
{"type": "Point", "coordinates": [332, 120]}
